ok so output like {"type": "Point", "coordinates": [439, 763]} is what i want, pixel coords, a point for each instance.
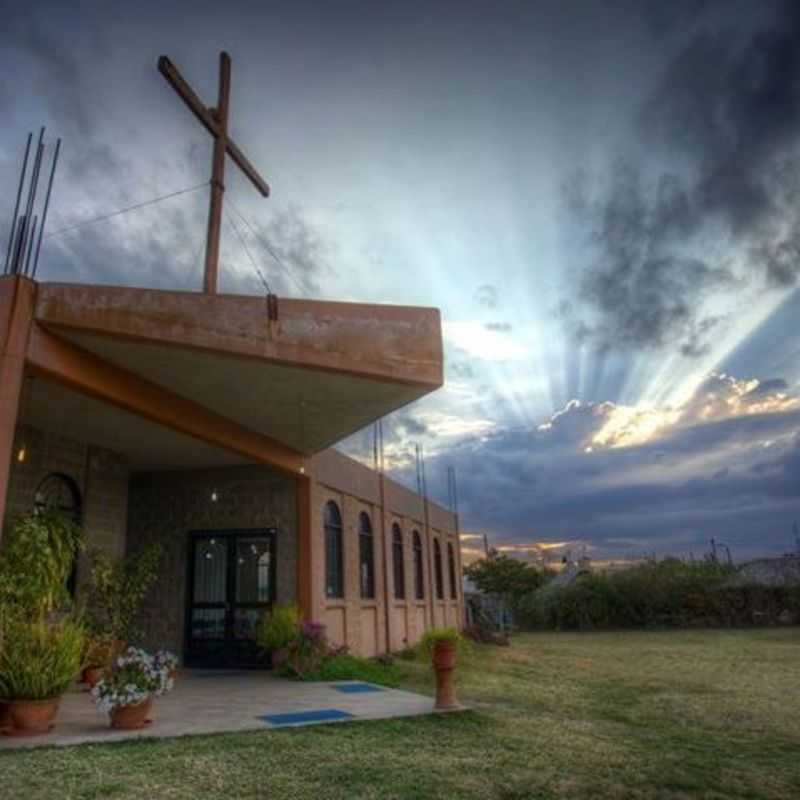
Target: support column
{"type": "Point", "coordinates": [305, 567]}
{"type": "Point", "coordinates": [462, 608]}
{"type": "Point", "coordinates": [17, 296]}
{"type": "Point", "coordinates": [388, 597]}
{"type": "Point", "coordinates": [431, 569]}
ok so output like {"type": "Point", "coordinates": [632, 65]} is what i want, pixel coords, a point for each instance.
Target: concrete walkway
{"type": "Point", "coordinates": [221, 701]}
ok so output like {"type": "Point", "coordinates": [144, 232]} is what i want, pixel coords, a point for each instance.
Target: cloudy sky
{"type": "Point", "coordinates": [601, 197]}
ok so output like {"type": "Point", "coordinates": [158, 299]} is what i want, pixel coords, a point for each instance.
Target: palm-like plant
{"type": "Point", "coordinates": [37, 561]}
{"type": "Point", "coordinates": [40, 659]}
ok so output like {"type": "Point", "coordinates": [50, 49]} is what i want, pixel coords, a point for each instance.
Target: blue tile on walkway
{"type": "Point", "coordinates": [356, 688]}
{"type": "Point", "coordinates": [300, 717]}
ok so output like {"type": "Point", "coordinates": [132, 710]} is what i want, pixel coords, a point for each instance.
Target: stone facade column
{"type": "Point", "coordinates": [17, 296]}
{"type": "Point", "coordinates": [305, 570]}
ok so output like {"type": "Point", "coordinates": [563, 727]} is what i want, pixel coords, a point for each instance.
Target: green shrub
{"type": "Point", "coordinates": [666, 593]}
{"type": "Point", "coordinates": [408, 653]}
{"type": "Point", "coordinates": [346, 667]}
{"type": "Point", "coordinates": [507, 577]}
{"type": "Point", "coordinates": [278, 628]}
{"type": "Point", "coordinates": [40, 660]}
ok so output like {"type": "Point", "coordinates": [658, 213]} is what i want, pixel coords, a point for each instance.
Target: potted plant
{"type": "Point", "coordinates": [100, 655]}
{"type": "Point", "coordinates": [117, 590]}
{"type": "Point", "coordinates": [38, 662]}
{"type": "Point", "coordinates": [126, 692]}
{"type": "Point", "coordinates": [276, 631]}
{"type": "Point", "coordinates": [442, 646]}
{"type": "Point", "coordinates": [39, 657]}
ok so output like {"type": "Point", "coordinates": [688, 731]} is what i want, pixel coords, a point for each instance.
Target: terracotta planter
{"type": "Point", "coordinates": [91, 675]}
{"type": "Point", "coordinates": [444, 662]}
{"type": "Point", "coordinates": [131, 718]}
{"type": "Point", "coordinates": [444, 655]}
{"type": "Point", "coordinates": [32, 717]}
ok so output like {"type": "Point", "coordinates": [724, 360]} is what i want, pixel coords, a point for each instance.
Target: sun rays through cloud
{"type": "Point", "coordinates": [602, 206]}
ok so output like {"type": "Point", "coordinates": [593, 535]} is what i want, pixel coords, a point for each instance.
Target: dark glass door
{"type": "Point", "coordinates": [231, 583]}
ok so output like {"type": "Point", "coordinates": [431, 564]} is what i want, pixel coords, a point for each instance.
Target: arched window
{"type": "Point", "coordinates": [334, 555]}
{"type": "Point", "coordinates": [366, 557]}
{"type": "Point", "coordinates": [419, 575]}
{"type": "Point", "coordinates": [451, 568]}
{"type": "Point", "coordinates": [59, 492]}
{"type": "Point", "coordinates": [437, 567]}
{"type": "Point", "coordinates": [398, 563]}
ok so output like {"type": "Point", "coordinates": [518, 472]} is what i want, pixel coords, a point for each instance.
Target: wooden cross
{"type": "Point", "coordinates": [215, 121]}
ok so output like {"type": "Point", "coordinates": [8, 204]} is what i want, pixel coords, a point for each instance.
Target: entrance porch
{"type": "Point", "coordinates": [209, 701]}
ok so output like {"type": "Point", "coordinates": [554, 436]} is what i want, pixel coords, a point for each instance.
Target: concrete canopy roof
{"type": "Point", "coordinates": [145, 445]}
{"type": "Point", "coordinates": [316, 374]}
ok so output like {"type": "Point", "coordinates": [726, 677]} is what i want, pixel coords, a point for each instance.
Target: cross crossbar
{"type": "Point", "coordinates": [206, 117]}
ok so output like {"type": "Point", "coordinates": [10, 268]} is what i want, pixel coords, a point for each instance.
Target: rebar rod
{"type": "Point", "coordinates": [37, 164]}
{"type": "Point", "coordinates": [18, 245]}
{"type": "Point", "coordinates": [16, 205]}
{"type": "Point", "coordinates": [30, 247]}
{"type": "Point", "coordinates": [46, 206]}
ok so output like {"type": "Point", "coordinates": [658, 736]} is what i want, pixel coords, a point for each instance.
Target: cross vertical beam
{"type": "Point", "coordinates": [217, 176]}
{"type": "Point", "coordinates": [215, 121]}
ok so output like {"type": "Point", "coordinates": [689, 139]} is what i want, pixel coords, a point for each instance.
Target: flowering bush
{"type": "Point", "coordinates": [167, 660]}
{"type": "Point", "coordinates": [135, 676]}
{"type": "Point", "coordinates": [309, 651]}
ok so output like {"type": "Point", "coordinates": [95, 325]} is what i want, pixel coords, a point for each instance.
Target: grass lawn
{"type": "Point", "coordinates": [710, 714]}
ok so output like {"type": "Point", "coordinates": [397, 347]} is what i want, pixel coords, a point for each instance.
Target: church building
{"type": "Point", "coordinates": [196, 421]}
{"type": "Point", "coordinates": [205, 422]}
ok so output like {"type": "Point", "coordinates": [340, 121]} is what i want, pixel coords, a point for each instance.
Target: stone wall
{"type": "Point", "coordinates": [99, 475]}
{"type": "Point", "coordinates": [165, 507]}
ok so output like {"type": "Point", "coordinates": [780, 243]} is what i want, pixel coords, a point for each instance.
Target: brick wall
{"type": "Point", "coordinates": [165, 507]}
{"type": "Point", "coordinates": [100, 476]}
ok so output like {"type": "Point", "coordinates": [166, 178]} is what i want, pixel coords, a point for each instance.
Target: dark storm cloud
{"type": "Point", "coordinates": [728, 465]}
{"type": "Point", "coordinates": [160, 248]}
{"type": "Point", "coordinates": [643, 289]}
{"type": "Point", "coordinates": [726, 112]}
{"type": "Point", "coordinates": [664, 18]}
{"type": "Point", "coordinates": [55, 73]}
{"type": "Point", "coordinates": [561, 493]}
